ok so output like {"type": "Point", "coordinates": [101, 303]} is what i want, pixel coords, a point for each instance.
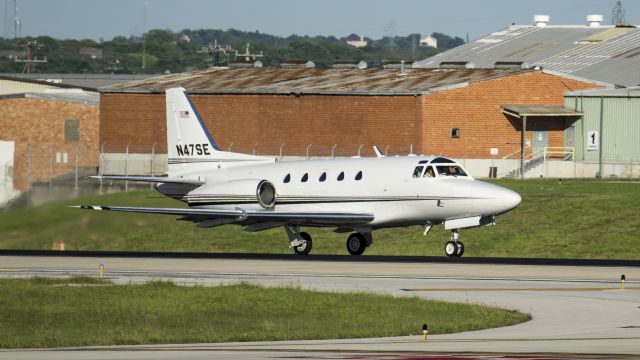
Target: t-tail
{"type": "Point", "coordinates": [191, 147]}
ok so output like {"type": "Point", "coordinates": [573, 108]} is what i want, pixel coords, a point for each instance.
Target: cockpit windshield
{"type": "Point", "coordinates": [450, 170]}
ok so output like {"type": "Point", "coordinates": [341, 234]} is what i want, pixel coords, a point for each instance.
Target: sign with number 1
{"type": "Point", "coordinates": [593, 140]}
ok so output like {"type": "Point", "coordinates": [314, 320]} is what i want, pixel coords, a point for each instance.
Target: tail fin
{"type": "Point", "coordinates": [190, 145]}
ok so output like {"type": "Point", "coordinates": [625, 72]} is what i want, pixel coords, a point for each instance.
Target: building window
{"type": "Point", "coordinates": [72, 130]}
{"type": "Point", "coordinates": [454, 133]}
{"type": "Point", "coordinates": [341, 176]}
{"type": "Point", "coordinates": [305, 177]}
{"type": "Point", "coordinates": [287, 178]}
{"type": "Point", "coordinates": [359, 175]}
{"type": "Point", "coordinates": [323, 177]}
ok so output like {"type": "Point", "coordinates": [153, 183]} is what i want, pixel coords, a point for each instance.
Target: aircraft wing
{"type": "Point", "coordinates": [244, 216]}
{"type": "Point", "coordinates": [152, 179]}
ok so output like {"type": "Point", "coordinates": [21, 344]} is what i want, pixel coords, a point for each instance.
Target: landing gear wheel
{"type": "Point", "coordinates": [451, 249]}
{"type": "Point", "coordinates": [460, 251]}
{"type": "Point", "coordinates": [356, 244]}
{"type": "Point", "coordinates": [305, 247]}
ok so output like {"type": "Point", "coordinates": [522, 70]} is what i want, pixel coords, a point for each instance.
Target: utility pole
{"type": "Point", "coordinates": [29, 60]}
{"type": "Point", "coordinates": [617, 15]}
{"type": "Point", "coordinates": [16, 21]}
{"type": "Point", "coordinates": [144, 35]}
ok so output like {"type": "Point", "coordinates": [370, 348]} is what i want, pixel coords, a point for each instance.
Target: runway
{"type": "Point", "coordinates": [575, 309]}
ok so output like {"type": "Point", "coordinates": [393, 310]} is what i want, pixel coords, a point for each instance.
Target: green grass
{"type": "Point", "coordinates": [42, 313]}
{"type": "Point", "coordinates": [571, 219]}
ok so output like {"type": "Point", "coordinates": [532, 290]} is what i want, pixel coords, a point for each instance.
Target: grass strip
{"type": "Point", "coordinates": [42, 313]}
{"type": "Point", "coordinates": [556, 219]}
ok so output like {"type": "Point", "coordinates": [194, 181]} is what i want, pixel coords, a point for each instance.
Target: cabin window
{"type": "Point", "coordinates": [450, 170]}
{"type": "Point", "coordinates": [305, 177]}
{"type": "Point", "coordinates": [341, 176]}
{"type": "Point", "coordinates": [287, 178]}
{"type": "Point", "coordinates": [359, 175]}
{"type": "Point", "coordinates": [323, 177]}
{"type": "Point", "coordinates": [417, 172]}
{"type": "Point", "coordinates": [429, 173]}
{"type": "Point", "coordinates": [441, 160]}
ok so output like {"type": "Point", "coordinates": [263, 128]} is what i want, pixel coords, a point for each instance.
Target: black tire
{"type": "Point", "coordinates": [450, 249]}
{"type": "Point", "coordinates": [356, 244]}
{"type": "Point", "coordinates": [460, 251]}
{"type": "Point", "coordinates": [305, 247]}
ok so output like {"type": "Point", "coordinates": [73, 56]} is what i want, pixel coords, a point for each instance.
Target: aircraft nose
{"type": "Point", "coordinates": [498, 200]}
{"type": "Point", "coordinates": [510, 198]}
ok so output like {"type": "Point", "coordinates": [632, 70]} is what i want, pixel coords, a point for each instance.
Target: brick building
{"type": "Point", "coordinates": [47, 133]}
{"type": "Point", "coordinates": [457, 112]}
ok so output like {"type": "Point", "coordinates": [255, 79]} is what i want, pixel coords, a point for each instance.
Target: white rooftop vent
{"type": "Point", "coordinates": [541, 20]}
{"type": "Point", "coordinates": [594, 20]}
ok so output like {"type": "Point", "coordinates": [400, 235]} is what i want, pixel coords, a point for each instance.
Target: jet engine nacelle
{"type": "Point", "coordinates": [262, 190]}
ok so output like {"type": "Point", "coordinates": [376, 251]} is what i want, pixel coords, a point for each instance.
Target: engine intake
{"type": "Point", "coordinates": [266, 194]}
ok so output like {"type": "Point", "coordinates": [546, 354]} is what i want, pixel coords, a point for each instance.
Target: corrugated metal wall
{"type": "Point", "coordinates": [620, 133]}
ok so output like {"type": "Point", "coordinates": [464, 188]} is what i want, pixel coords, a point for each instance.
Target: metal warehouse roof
{"type": "Point", "coordinates": [85, 81]}
{"type": "Point", "coordinates": [80, 97]}
{"type": "Point", "coordinates": [630, 92]}
{"type": "Point", "coordinates": [605, 53]}
{"type": "Point", "coordinates": [314, 81]}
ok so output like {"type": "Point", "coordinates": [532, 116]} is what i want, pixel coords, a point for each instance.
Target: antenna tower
{"type": "Point", "coordinates": [248, 56]}
{"type": "Point", "coordinates": [144, 35]}
{"type": "Point", "coordinates": [29, 60]}
{"type": "Point", "coordinates": [217, 54]}
{"type": "Point", "coordinates": [617, 16]}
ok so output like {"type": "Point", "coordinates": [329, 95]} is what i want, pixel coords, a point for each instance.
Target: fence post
{"type": "Point", "coordinates": [29, 166]}
{"type": "Point", "coordinates": [77, 158]}
{"type": "Point", "coordinates": [411, 149]}
{"type": "Point", "coordinates": [254, 149]}
{"type": "Point", "coordinates": [308, 147]}
{"type": "Point", "coordinates": [153, 160]}
{"type": "Point", "coordinates": [230, 145]}
{"type": "Point", "coordinates": [281, 146]}
{"type": "Point", "coordinates": [333, 154]}
{"type": "Point", "coordinates": [50, 166]}
{"type": "Point", "coordinates": [359, 147]}
{"type": "Point", "coordinates": [126, 168]}
{"type": "Point", "coordinates": [386, 150]}
{"type": "Point", "coordinates": [101, 170]}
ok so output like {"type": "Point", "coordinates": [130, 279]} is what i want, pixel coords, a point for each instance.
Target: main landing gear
{"type": "Point", "coordinates": [302, 243]}
{"type": "Point", "coordinates": [356, 244]}
{"type": "Point", "coordinates": [454, 248]}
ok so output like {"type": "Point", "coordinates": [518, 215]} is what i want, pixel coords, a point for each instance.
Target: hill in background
{"type": "Point", "coordinates": [168, 51]}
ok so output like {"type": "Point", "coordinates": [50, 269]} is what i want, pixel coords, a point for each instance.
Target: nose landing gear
{"type": "Point", "coordinates": [454, 248]}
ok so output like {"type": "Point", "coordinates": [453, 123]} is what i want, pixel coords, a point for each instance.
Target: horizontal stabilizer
{"type": "Point", "coordinates": [239, 215]}
{"type": "Point", "coordinates": [153, 179]}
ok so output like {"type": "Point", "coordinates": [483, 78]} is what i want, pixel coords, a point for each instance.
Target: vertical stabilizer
{"type": "Point", "coordinates": [190, 146]}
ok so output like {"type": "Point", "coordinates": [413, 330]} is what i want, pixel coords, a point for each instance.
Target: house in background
{"type": "Point", "coordinates": [356, 40]}
{"type": "Point", "coordinates": [428, 41]}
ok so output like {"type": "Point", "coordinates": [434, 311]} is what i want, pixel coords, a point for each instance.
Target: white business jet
{"type": "Point", "coordinates": [353, 195]}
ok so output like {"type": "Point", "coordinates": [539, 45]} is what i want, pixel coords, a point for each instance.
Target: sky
{"type": "Point", "coordinates": [104, 19]}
